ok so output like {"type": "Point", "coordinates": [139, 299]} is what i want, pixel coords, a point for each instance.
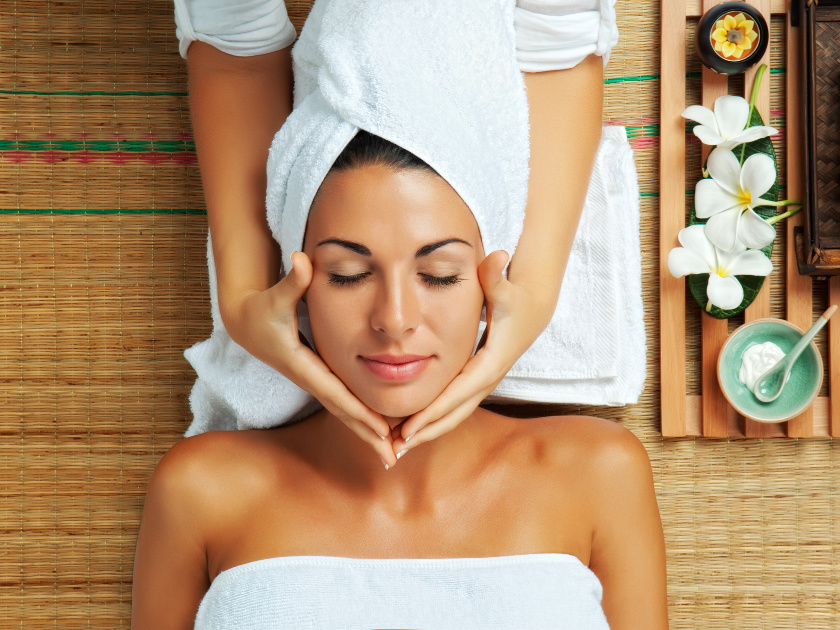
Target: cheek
{"type": "Point", "coordinates": [333, 318]}
{"type": "Point", "coordinates": [455, 319]}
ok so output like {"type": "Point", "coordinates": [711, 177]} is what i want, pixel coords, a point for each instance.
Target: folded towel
{"type": "Point", "coordinates": [440, 79]}
{"type": "Point", "coordinates": [593, 349]}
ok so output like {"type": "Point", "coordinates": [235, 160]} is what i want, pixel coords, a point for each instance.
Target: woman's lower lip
{"type": "Point", "coordinates": [396, 371]}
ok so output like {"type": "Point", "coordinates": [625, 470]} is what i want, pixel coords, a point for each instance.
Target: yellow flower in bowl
{"type": "Point", "coordinates": [734, 35]}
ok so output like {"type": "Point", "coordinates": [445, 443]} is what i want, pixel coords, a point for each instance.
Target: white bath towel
{"type": "Point", "coordinates": [440, 79]}
{"type": "Point", "coordinates": [593, 350]}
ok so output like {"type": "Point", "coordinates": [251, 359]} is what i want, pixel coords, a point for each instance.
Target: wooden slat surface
{"type": "Point", "coordinates": [694, 8]}
{"type": "Point", "coordinates": [834, 358]}
{"type": "Point", "coordinates": [709, 414]}
{"type": "Point", "coordinates": [760, 308]}
{"type": "Point", "coordinates": [735, 424]}
{"type": "Point", "coordinates": [714, 331]}
{"type": "Point", "coordinates": [672, 220]}
{"type": "Point", "coordinates": [799, 288]}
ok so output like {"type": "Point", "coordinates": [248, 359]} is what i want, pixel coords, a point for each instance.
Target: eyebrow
{"type": "Point", "coordinates": [364, 251]}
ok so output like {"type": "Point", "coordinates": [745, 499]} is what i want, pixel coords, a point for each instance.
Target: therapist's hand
{"type": "Point", "coordinates": [516, 316]}
{"type": "Point", "coordinates": [265, 323]}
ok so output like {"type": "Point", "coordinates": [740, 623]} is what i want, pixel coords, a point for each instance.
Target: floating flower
{"type": "Point", "coordinates": [699, 255]}
{"type": "Point", "coordinates": [734, 35]}
{"type": "Point", "coordinates": [729, 196]}
{"type": "Point", "coordinates": [725, 126]}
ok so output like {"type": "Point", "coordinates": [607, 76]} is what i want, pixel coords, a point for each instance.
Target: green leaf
{"type": "Point", "coordinates": [752, 284]}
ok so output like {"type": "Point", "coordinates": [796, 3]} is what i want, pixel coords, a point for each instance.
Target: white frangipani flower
{"type": "Point", "coordinates": [728, 198]}
{"type": "Point", "coordinates": [699, 255]}
{"type": "Point", "coordinates": [725, 126]}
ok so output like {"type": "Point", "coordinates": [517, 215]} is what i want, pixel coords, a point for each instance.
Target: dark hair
{"type": "Point", "coordinates": [366, 148]}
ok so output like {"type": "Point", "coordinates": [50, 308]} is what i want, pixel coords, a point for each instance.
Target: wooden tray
{"type": "Point", "coordinates": [818, 242]}
{"type": "Point", "coordinates": [709, 414]}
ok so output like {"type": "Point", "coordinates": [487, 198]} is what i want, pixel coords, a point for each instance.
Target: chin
{"type": "Point", "coordinates": [396, 404]}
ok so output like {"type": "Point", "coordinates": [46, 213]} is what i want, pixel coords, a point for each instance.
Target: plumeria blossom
{"type": "Point", "coordinates": [724, 127]}
{"type": "Point", "coordinates": [699, 255]}
{"type": "Point", "coordinates": [729, 196]}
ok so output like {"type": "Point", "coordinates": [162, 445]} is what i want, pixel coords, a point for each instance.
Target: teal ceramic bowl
{"type": "Point", "coordinates": [799, 391]}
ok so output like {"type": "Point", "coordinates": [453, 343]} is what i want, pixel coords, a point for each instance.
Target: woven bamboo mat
{"type": "Point", "coordinates": [102, 233]}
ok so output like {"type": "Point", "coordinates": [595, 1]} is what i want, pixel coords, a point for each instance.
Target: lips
{"type": "Point", "coordinates": [396, 368]}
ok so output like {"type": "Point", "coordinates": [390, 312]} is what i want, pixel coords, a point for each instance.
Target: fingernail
{"type": "Point", "coordinates": [409, 437]}
{"type": "Point", "coordinates": [382, 436]}
{"type": "Point", "coordinates": [383, 462]}
{"type": "Point", "coordinates": [400, 454]}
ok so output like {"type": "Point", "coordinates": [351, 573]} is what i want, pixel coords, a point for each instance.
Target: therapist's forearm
{"type": "Point", "coordinates": [565, 116]}
{"type": "Point", "coordinates": [237, 105]}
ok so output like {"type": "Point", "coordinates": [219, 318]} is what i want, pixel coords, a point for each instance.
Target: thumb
{"type": "Point", "coordinates": [291, 288]}
{"type": "Point", "coordinates": [490, 272]}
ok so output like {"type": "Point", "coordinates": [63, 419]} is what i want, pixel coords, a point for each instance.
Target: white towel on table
{"type": "Point", "coordinates": [593, 350]}
{"type": "Point", "coordinates": [440, 79]}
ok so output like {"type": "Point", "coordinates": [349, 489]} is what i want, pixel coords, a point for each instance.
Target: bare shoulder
{"type": "Point", "coordinates": [585, 442]}
{"type": "Point", "coordinates": [214, 472]}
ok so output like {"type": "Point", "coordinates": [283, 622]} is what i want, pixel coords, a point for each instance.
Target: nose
{"type": "Point", "coordinates": [396, 310]}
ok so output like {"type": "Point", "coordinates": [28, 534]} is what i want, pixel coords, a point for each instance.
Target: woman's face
{"type": "Point", "coordinates": [395, 300]}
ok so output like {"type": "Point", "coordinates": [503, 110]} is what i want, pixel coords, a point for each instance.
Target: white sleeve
{"type": "Point", "coordinates": [237, 27]}
{"type": "Point", "coordinates": [559, 34]}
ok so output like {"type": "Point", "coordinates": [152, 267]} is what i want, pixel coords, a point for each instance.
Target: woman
{"type": "Point", "coordinates": [242, 48]}
{"type": "Point", "coordinates": [499, 523]}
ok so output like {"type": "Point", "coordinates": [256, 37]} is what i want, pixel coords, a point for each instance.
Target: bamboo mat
{"type": "Point", "coordinates": [104, 283]}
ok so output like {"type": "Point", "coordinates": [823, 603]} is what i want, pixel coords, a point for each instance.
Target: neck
{"type": "Point", "coordinates": [421, 470]}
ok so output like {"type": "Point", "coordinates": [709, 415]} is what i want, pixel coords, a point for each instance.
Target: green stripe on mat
{"type": "Point", "coordinates": [106, 211]}
{"type": "Point", "coordinates": [647, 77]}
{"type": "Point", "coordinates": [93, 93]}
{"type": "Point", "coordinates": [96, 145]}
{"type": "Point", "coordinates": [174, 146]}
{"type": "Point", "coordinates": [650, 77]}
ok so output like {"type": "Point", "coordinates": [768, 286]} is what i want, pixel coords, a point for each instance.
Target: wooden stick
{"type": "Point", "coordinates": [714, 331]}
{"type": "Point", "coordinates": [834, 360]}
{"type": "Point", "coordinates": [760, 307]}
{"type": "Point", "coordinates": [672, 218]}
{"type": "Point", "coordinates": [774, 429]}
{"type": "Point", "coordinates": [694, 8]}
{"type": "Point", "coordinates": [799, 290]}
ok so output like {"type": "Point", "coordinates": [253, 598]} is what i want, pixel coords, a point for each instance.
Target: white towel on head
{"type": "Point", "coordinates": [440, 79]}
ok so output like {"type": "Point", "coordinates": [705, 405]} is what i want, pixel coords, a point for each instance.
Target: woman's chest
{"type": "Point", "coordinates": [496, 516]}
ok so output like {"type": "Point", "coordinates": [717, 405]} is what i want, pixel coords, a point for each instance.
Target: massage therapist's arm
{"type": "Point", "coordinates": [565, 112]}
{"type": "Point", "coordinates": [237, 105]}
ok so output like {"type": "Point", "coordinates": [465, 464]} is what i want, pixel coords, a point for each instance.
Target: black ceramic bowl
{"type": "Point", "coordinates": [728, 44]}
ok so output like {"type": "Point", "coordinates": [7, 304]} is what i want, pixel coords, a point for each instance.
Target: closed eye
{"type": "Point", "coordinates": [436, 281]}
{"type": "Point", "coordinates": [346, 280]}
{"type": "Point", "coordinates": [429, 280]}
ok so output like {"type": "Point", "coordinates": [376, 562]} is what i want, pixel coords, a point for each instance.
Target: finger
{"type": "Point", "coordinates": [289, 291]}
{"type": "Point", "coordinates": [370, 426]}
{"type": "Point", "coordinates": [314, 376]}
{"type": "Point", "coordinates": [442, 426]}
{"type": "Point", "coordinates": [382, 447]}
{"type": "Point", "coordinates": [496, 288]}
{"type": "Point", "coordinates": [473, 379]}
{"type": "Point", "coordinates": [491, 268]}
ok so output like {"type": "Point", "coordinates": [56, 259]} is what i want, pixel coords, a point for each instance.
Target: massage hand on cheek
{"type": "Point", "coordinates": [272, 315]}
{"type": "Point", "coordinates": [379, 253]}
